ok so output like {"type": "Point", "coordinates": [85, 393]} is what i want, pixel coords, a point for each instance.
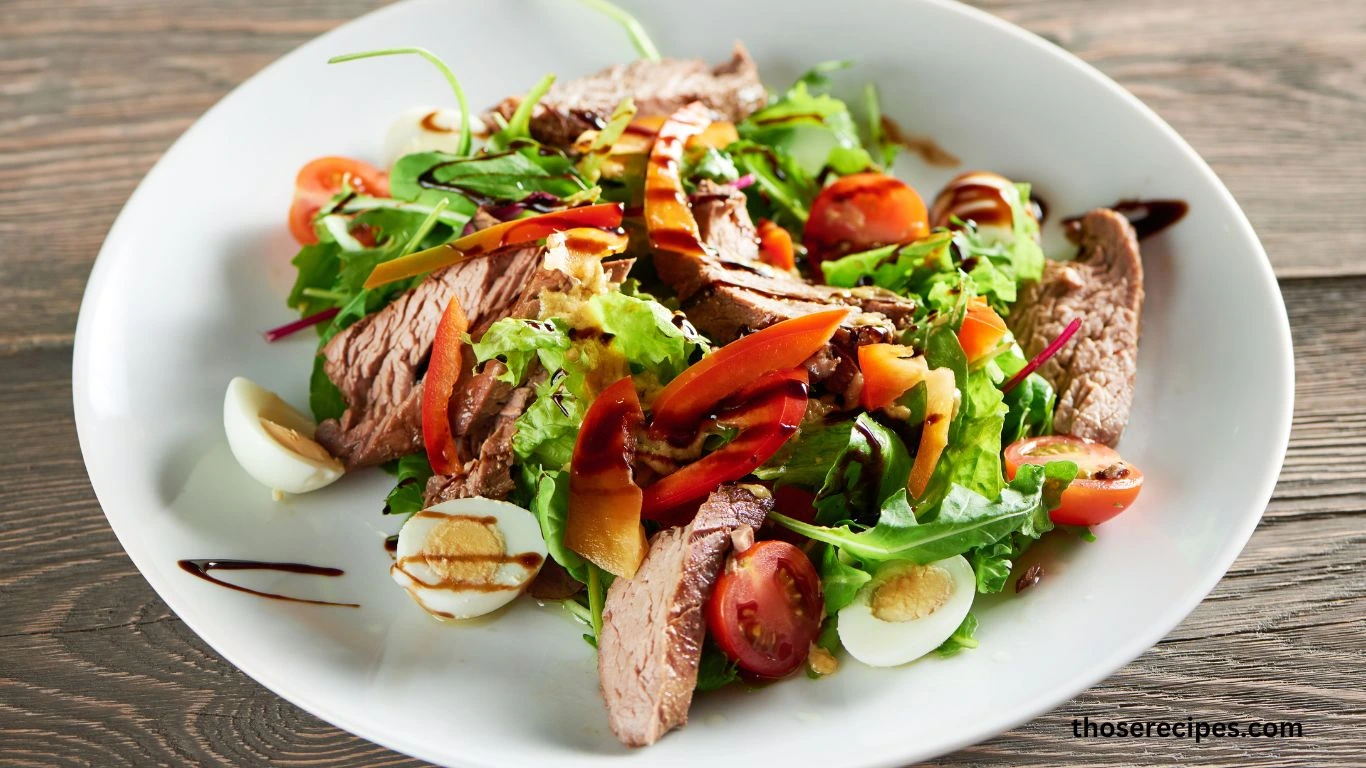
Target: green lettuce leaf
{"type": "Point", "coordinates": [550, 505]}
{"type": "Point", "coordinates": [961, 639]}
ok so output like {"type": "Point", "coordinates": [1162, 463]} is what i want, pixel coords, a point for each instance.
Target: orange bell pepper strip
{"type": "Point", "coordinates": [668, 217]}
{"type": "Point", "coordinates": [639, 136]}
{"type": "Point", "coordinates": [940, 390]}
{"type": "Point", "coordinates": [889, 370]}
{"type": "Point", "coordinates": [982, 330]}
{"type": "Point", "coordinates": [706, 384]}
{"type": "Point", "coordinates": [767, 413]}
{"type": "Point", "coordinates": [775, 246]}
{"type": "Point", "coordinates": [486, 241]}
{"type": "Point", "coordinates": [603, 521]}
{"type": "Point", "coordinates": [447, 362]}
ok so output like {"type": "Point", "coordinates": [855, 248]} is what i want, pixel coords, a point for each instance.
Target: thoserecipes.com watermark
{"type": "Point", "coordinates": [1190, 728]}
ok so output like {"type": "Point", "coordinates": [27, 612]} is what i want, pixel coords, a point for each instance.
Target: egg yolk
{"type": "Point", "coordinates": [295, 441]}
{"type": "Point", "coordinates": [913, 593]}
{"type": "Point", "coordinates": [464, 550]}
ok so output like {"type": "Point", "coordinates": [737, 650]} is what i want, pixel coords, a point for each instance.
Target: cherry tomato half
{"type": "Point", "coordinates": [320, 181]}
{"type": "Point", "coordinates": [766, 609]}
{"type": "Point", "coordinates": [1106, 484]}
{"type": "Point", "coordinates": [860, 212]}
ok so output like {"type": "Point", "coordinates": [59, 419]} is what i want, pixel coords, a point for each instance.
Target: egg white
{"type": "Point", "coordinates": [409, 134]}
{"type": "Point", "coordinates": [879, 643]}
{"type": "Point", "coordinates": [521, 534]}
{"type": "Point", "coordinates": [275, 464]}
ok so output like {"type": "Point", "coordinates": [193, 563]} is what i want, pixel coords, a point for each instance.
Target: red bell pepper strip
{"type": "Point", "coordinates": [775, 246]}
{"type": "Point", "coordinates": [766, 412]}
{"type": "Point", "coordinates": [668, 217]}
{"type": "Point", "coordinates": [603, 521]}
{"type": "Point", "coordinates": [447, 362]}
{"type": "Point", "coordinates": [700, 388]}
{"type": "Point", "coordinates": [486, 241]}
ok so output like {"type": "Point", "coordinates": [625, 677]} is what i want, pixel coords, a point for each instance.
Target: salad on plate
{"type": "Point", "coordinates": [680, 354]}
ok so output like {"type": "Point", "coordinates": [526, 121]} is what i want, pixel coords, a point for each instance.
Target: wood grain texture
{"type": "Point", "coordinates": [95, 670]}
{"type": "Point", "coordinates": [1273, 94]}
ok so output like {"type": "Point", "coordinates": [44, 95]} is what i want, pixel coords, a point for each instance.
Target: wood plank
{"type": "Point", "coordinates": [94, 669]}
{"type": "Point", "coordinates": [92, 92]}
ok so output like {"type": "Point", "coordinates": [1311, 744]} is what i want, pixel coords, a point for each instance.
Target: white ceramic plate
{"type": "Point", "coordinates": [198, 264]}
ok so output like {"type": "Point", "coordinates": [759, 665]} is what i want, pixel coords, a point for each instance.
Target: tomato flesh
{"type": "Point", "coordinates": [766, 609]}
{"type": "Point", "coordinates": [1106, 484]}
{"type": "Point", "coordinates": [863, 211]}
{"type": "Point", "coordinates": [320, 180]}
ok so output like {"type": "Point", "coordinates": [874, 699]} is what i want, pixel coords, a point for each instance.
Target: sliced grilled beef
{"type": "Point", "coordinates": [489, 473]}
{"type": "Point", "coordinates": [571, 107]}
{"type": "Point", "coordinates": [378, 362]}
{"type": "Point", "coordinates": [1094, 373]}
{"type": "Point", "coordinates": [731, 293]}
{"type": "Point", "coordinates": [484, 410]}
{"type": "Point", "coordinates": [652, 626]}
{"type": "Point", "coordinates": [734, 293]}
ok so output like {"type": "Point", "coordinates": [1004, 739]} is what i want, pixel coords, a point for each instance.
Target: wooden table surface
{"type": "Point", "coordinates": [95, 670]}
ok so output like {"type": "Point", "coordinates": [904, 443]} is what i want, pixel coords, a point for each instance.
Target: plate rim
{"type": "Point", "coordinates": [1280, 423]}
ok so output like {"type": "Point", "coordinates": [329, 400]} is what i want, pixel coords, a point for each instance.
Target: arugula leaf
{"type": "Point", "coordinates": [870, 470]}
{"type": "Point", "coordinates": [804, 460]}
{"type": "Point", "coordinates": [1029, 405]}
{"type": "Point", "coordinates": [784, 190]}
{"type": "Point", "coordinates": [502, 177]}
{"type": "Point", "coordinates": [961, 639]}
{"type": "Point", "coordinates": [903, 269]}
{"type": "Point", "coordinates": [840, 581]}
{"type": "Point", "coordinates": [712, 164]}
{"type": "Point", "coordinates": [318, 266]}
{"type": "Point", "coordinates": [550, 505]}
{"type": "Point", "coordinates": [324, 399]}
{"type": "Point", "coordinates": [877, 136]}
{"type": "Point", "coordinates": [408, 492]}
{"type": "Point", "coordinates": [965, 520]}
{"type": "Point", "coordinates": [806, 125]}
